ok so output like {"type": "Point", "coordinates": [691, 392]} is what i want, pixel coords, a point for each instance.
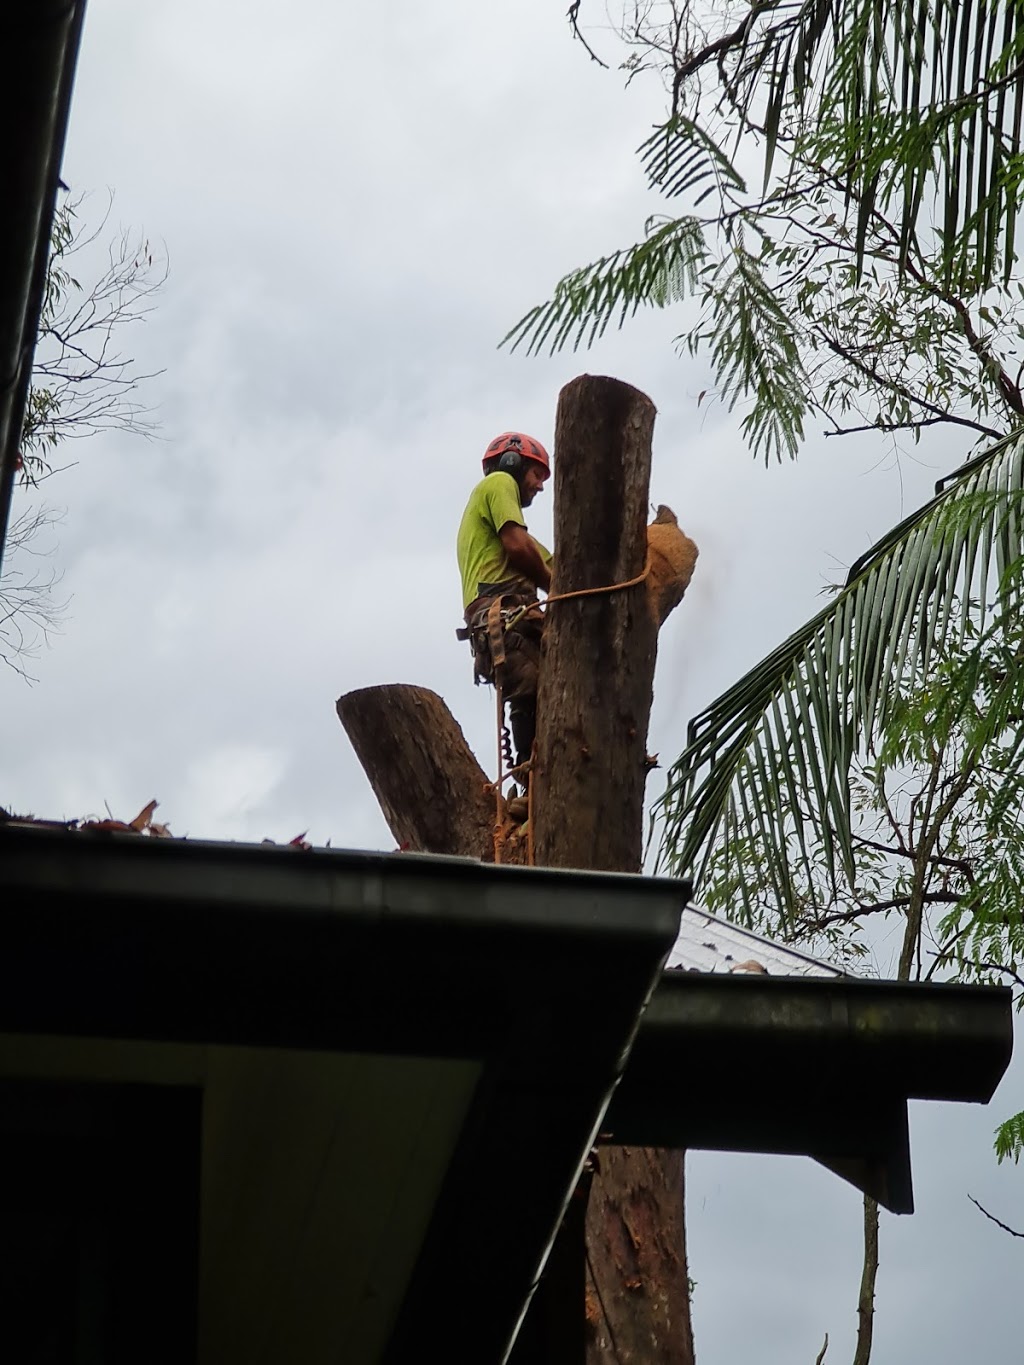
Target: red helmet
{"type": "Point", "coordinates": [516, 443]}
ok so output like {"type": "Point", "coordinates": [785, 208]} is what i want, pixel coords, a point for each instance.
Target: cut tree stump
{"type": "Point", "coordinates": [432, 792]}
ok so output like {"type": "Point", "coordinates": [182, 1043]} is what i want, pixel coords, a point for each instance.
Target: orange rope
{"type": "Point", "coordinates": [499, 823]}
{"type": "Point", "coordinates": [529, 808]}
{"type": "Point", "coordinates": [499, 814]}
{"type": "Point", "coordinates": [607, 587]}
{"type": "Point", "coordinates": [581, 592]}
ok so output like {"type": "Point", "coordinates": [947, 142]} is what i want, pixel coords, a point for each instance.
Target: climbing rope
{"type": "Point", "coordinates": [580, 592]}
{"type": "Point", "coordinates": [499, 814]}
{"type": "Point", "coordinates": [607, 587]}
{"type": "Point", "coordinates": [500, 822]}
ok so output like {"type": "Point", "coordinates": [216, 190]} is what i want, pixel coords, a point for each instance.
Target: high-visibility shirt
{"type": "Point", "coordinates": [493, 503]}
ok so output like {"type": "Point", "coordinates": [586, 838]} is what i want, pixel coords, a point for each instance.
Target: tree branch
{"type": "Point", "coordinates": [571, 14]}
{"type": "Point", "coordinates": [870, 372]}
{"type": "Point", "coordinates": [908, 426]}
{"type": "Point", "coordinates": [1012, 1231]}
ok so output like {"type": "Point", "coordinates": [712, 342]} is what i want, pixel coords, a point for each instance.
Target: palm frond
{"type": "Point", "coordinates": [916, 105]}
{"type": "Point", "coordinates": [660, 270]}
{"type": "Point", "coordinates": [772, 756]}
{"type": "Point", "coordinates": [755, 352]}
{"type": "Point", "coordinates": [680, 154]}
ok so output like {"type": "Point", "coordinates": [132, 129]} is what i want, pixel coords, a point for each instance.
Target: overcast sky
{"type": "Point", "coordinates": [357, 203]}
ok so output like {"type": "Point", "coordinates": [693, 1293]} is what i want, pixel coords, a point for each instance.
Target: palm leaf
{"type": "Point", "coordinates": [680, 154]}
{"type": "Point", "coordinates": [772, 756]}
{"type": "Point", "coordinates": [655, 273]}
{"type": "Point", "coordinates": [917, 103]}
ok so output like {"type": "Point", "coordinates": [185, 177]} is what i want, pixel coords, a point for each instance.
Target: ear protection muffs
{"type": "Point", "coordinates": [511, 462]}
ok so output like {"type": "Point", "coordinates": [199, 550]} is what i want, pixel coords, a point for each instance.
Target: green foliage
{"type": "Point", "coordinates": [873, 764]}
{"type": "Point", "coordinates": [660, 270]}
{"type": "Point", "coordinates": [879, 291]}
{"type": "Point", "coordinates": [1010, 1138]}
{"type": "Point", "coordinates": [771, 759]}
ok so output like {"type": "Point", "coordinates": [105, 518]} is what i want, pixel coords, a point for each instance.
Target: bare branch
{"type": "Point", "coordinates": [29, 611]}
{"type": "Point", "coordinates": [571, 14]}
{"type": "Point", "coordinates": [1012, 1231]}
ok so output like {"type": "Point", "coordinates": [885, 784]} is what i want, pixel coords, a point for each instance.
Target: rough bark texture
{"type": "Point", "coordinates": [597, 673]}
{"type": "Point", "coordinates": [866, 1300]}
{"type": "Point", "coordinates": [432, 791]}
{"type": "Point", "coordinates": [597, 679]}
{"type": "Point", "coordinates": [635, 1223]}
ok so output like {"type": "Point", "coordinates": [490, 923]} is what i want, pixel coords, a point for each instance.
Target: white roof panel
{"type": "Point", "coordinates": [709, 944]}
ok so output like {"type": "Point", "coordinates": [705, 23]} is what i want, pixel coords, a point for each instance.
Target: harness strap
{"type": "Point", "coordinates": [496, 632]}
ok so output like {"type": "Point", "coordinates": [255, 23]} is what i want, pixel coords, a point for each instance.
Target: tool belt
{"type": "Point", "coordinates": [503, 626]}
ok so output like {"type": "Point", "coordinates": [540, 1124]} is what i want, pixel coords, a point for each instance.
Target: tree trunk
{"type": "Point", "coordinates": [597, 672]}
{"type": "Point", "coordinates": [597, 681]}
{"type": "Point", "coordinates": [636, 1256]}
{"type": "Point", "coordinates": [431, 790]}
{"type": "Point", "coordinates": [589, 771]}
{"type": "Point", "coordinates": [866, 1300]}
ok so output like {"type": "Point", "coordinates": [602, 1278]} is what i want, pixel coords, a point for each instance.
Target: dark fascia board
{"type": "Point", "coordinates": [813, 1065]}
{"type": "Point", "coordinates": [38, 49]}
{"type": "Point", "coordinates": [541, 975]}
{"type": "Point", "coordinates": [450, 936]}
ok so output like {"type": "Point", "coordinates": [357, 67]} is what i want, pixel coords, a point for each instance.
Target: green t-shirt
{"type": "Point", "coordinates": [493, 503]}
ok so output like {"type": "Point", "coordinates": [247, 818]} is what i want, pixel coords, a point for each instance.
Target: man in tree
{"type": "Point", "coordinates": [502, 566]}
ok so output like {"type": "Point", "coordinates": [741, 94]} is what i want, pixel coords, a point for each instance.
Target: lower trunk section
{"type": "Point", "coordinates": [638, 1290]}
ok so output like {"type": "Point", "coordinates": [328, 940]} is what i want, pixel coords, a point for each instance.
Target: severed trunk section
{"type": "Point", "coordinates": [431, 790]}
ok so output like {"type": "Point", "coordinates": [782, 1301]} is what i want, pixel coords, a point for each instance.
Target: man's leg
{"type": "Point", "coordinates": [522, 719]}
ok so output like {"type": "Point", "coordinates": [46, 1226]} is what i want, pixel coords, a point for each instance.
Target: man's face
{"type": "Point", "coordinates": [534, 478]}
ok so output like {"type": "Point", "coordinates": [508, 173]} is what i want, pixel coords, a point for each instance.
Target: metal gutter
{"type": "Point", "coordinates": [817, 1066]}
{"type": "Point", "coordinates": [38, 48]}
{"type": "Point", "coordinates": [150, 913]}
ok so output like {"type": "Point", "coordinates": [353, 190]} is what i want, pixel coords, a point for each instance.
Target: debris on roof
{"type": "Point", "coordinates": [709, 944]}
{"type": "Point", "coordinates": [143, 823]}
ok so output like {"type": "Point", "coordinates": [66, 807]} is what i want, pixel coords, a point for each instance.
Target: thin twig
{"type": "Point", "coordinates": [571, 14]}
{"type": "Point", "coordinates": [1012, 1231]}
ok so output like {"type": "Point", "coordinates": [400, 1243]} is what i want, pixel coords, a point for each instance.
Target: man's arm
{"type": "Point", "coordinates": [523, 554]}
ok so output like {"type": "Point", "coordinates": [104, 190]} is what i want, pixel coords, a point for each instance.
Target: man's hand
{"type": "Point", "coordinates": [523, 555]}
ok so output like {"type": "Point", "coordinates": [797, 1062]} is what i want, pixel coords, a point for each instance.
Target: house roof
{"type": "Point", "coordinates": [393, 1051]}
{"type": "Point", "coordinates": [707, 943]}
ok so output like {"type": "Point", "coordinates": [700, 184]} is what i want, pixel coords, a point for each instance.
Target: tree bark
{"type": "Point", "coordinates": [590, 765]}
{"type": "Point", "coordinates": [866, 1300]}
{"type": "Point", "coordinates": [597, 670]}
{"type": "Point", "coordinates": [636, 1256]}
{"type": "Point", "coordinates": [432, 791]}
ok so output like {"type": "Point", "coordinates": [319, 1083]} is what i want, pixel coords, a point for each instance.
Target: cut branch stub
{"type": "Point", "coordinates": [432, 791]}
